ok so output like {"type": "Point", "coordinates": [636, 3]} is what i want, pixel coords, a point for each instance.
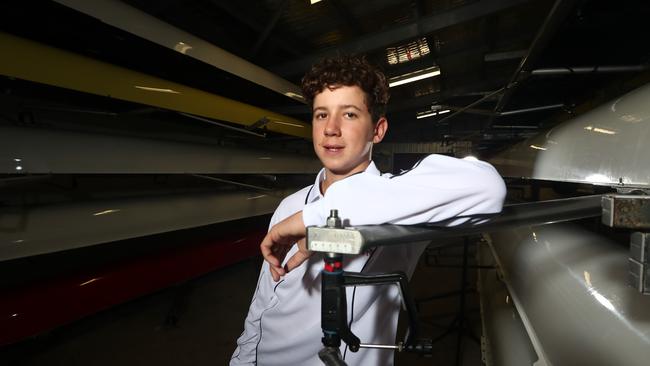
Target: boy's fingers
{"type": "Point", "coordinates": [277, 273]}
{"type": "Point", "coordinates": [267, 248]}
{"type": "Point", "coordinates": [297, 259]}
{"type": "Point", "coordinates": [274, 275]}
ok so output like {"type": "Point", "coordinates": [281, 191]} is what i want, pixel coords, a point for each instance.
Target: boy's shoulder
{"type": "Point", "coordinates": [290, 205]}
{"type": "Point", "coordinates": [296, 199]}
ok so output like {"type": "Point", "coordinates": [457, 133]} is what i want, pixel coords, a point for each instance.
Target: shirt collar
{"type": "Point", "coordinates": [315, 194]}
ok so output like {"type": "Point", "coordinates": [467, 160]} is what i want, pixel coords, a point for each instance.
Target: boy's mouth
{"type": "Point", "coordinates": [333, 148]}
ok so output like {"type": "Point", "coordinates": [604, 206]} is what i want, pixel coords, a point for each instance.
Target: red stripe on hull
{"type": "Point", "coordinates": [43, 306]}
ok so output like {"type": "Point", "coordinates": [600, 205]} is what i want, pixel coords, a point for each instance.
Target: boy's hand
{"type": "Point", "coordinates": [278, 242]}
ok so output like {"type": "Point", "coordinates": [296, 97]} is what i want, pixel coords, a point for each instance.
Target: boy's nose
{"type": "Point", "coordinates": [332, 127]}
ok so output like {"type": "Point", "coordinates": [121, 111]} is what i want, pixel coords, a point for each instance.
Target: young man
{"type": "Point", "coordinates": [348, 98]}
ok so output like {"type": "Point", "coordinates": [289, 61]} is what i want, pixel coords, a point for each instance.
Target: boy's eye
{"type": "Point", "coordinates": [320, 115]}
{"type": "Point", "coordinates": [350, 115]}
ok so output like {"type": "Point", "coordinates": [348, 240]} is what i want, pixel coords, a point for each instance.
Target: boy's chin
{"type": "Point", "coordinates": [336, 169]}
{"type": "Point", "coordinates": [342, 170]}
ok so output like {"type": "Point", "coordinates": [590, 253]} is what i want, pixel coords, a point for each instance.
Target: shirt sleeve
{"type": "Point", "coordinates": [439, 188]}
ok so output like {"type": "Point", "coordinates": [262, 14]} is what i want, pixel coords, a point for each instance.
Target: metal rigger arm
{"type": "Point", "coordinates": [335, 240]}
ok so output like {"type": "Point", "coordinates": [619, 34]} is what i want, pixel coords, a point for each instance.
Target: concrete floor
{"type": "Point", "coordinates": [198, 323]}
{"type": "Point", "coordinates": [438, 276]}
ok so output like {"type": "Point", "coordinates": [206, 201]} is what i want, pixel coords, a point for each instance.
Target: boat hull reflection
{"type": "Point", "coordinates": [569, 286]}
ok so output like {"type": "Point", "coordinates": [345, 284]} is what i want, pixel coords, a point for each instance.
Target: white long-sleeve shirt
{"type": "Point", "coordinates": [283, 323]}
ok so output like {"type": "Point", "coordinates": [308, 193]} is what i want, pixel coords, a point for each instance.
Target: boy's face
{"type": "Point", "coordinates": [343, 131]}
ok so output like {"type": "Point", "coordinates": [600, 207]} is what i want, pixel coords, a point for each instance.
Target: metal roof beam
{"type": "Point", "coordinates": [341, 11]}
{"type": "Point", "coordinates": [480, 89]}
{"type": "Point", "coordinates": [506, 55]}
{"type": "Point", "coordinates": [589, 70]}
{"type": "Point", "coordinates": [268, 29]}
{"type": "Point", "coordinates": [401, 33]}
{"type": "Point", "coordinates": [489, 112]}
{"type": "Point", "coordinates": [555, 18]}
{"type": "Point", "coordinates": [239, 15]}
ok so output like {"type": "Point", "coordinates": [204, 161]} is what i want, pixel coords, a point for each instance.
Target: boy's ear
{"type": "Point", "coordinates": [380, 130]}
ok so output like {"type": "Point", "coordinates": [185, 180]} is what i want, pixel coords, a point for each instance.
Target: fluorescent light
{"type": "Point", "coordinates": [414, 76]}
{"type": "Point", "coordinates": [600, 130]}
{"type": "Point", "coordinates": [604, 130]}
{"type": "Point", "coordinates": [431, 113]}
{"type": "Point", "coordinates": [256, 197]}
{"type": "Point", "coordinates": [293, 95]}
{"type": "Point", "coordinates": [425, 115]}
{"type": "Point", "coordinates": [537, 147]}
{"type": "Point", "coordinates": [90, 281]}
{"type": "Point", "coordinates": [314, 1]}
{"type": "Point", "coordinates": [288, 124]}
{"type": "Point", "coordinates": [161, 90]}
{"type": "Point", "coordinates": [105, 212]}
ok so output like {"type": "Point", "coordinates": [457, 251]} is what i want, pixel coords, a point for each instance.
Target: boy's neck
{"type": "Point", "coordinates": [331, 177]}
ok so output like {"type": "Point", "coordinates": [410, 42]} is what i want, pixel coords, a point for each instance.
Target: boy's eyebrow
{"type": "Point", "coordinates": [342, 107]}
{"type": "Point", "coordinates": [351, 106]}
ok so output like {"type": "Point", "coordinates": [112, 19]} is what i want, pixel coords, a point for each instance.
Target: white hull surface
{"type": "Point", "coordinates": [47, 229]}
{"type": "Point", "coordinates": [606, 146]}
{"type": "Point", "coordinates": [45, 151]}
{"type": "Point", "coordinates": [570, 290]}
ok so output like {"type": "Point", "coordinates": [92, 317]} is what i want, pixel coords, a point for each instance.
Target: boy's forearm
{"type": "Point", "coordinates": [435, 191]}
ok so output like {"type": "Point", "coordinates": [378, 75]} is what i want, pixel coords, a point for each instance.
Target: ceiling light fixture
{"type": "Point", "coordinates": [407, 52]}
{"type": "Point", "coordinates": [428, 72]}
{"type": "Point", "coordinates": [314, 1]}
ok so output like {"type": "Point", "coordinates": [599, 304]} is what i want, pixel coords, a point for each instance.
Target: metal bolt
{"type": "Point", "coordinates": [334, 220]}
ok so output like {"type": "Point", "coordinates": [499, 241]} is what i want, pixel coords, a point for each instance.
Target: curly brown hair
{"type": "Point", "coordinates": [349, 71]}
